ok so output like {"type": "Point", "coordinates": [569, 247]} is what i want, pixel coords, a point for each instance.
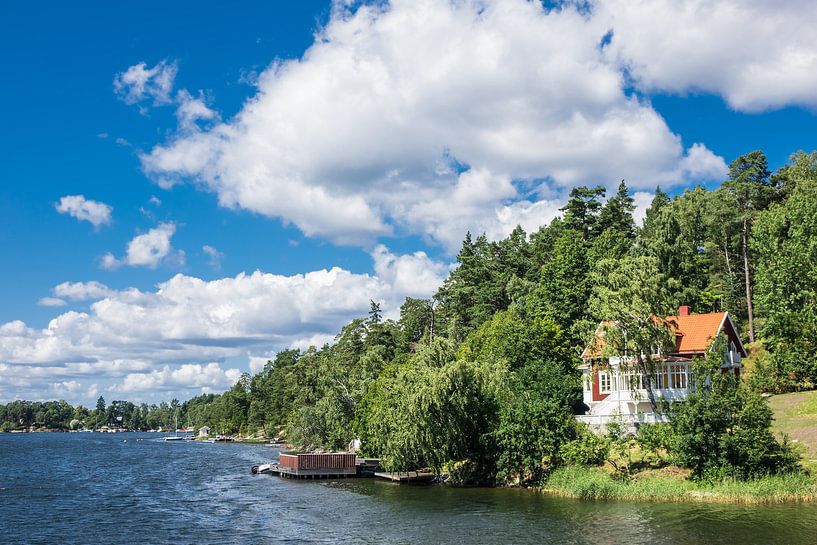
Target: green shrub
{"type": "Point", "coordinates": [725, 430]}
{"type": "Point", "coordinates": [655, 441]}
{"type": "Point", "coordinates": [785, 370]}
{"type": "Point", "coordinates": [587, 450]}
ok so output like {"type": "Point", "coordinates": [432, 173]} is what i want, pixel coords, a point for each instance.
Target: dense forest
{"type": "Point", "coordinates": [480, 382]}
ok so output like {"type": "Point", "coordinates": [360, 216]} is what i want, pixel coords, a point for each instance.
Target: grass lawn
{"type": "Point", "coordinates": [670, 485]}
{"type": "Point", "coordinates": [795, 415]}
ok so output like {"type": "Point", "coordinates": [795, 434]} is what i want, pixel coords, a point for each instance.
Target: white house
{"type": "Point", "coordinates": [204, 431]}
{"type": "Point", "coordinates": [613, 390]}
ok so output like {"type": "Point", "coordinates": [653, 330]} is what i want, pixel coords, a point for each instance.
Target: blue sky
{"type": "Point", "coordinates": [341, 152]}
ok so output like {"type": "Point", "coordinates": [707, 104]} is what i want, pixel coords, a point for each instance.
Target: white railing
{"type": "Point", "coordinates": [601, 420]}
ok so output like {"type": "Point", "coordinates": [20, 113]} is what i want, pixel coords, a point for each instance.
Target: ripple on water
{"type": "Point", "coordinates": [96, 488]}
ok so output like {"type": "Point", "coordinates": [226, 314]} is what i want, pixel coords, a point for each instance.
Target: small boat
{"type": "Point", "coordinates": [260, 469]}
{"type": "Point", "coordinates": [176, 436]}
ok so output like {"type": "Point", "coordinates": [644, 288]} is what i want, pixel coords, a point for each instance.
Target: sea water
{"type": "Point", "coordinates": [127, 488]}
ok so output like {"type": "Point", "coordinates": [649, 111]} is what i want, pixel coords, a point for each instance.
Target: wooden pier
{"type": "Point", "coordinates": [406, 476]}
{"type": "Point", "coordinates": [338, 466]}
{"type": "Point", "coordinates": [315, 466]}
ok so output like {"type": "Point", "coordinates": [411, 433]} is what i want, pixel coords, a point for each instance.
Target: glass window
{"type": "Point", "coordinates": [604, 383]}
{"type": "Point", "coordinates": [660, 377]}
{"type": "Point", "coordinates": [633, 381]}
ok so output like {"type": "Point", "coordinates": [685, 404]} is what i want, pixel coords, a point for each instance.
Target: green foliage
{"type": "Point", "coordinates": [531, 433]}
{"type": "Point", "coordinates": [784, 241]}
{"type": "Point", "coordinates": [749, 181]}
{"type": "Point", "coordinates": [628, 293]}
{"type": "Point", "coordinates": [785, 370]}
{"type": "Point", "coordinates": [563, 287]}
{"type": "Point", "coordinates": [654, 437]}
{"type": "Point", "coordinates": [416, 321]}
{"type": "Point", "coordinates": [479, 286]}
{"type": "Point", "coordinates": [431, 410]}
{"type": "Point", "coordinates": [19, 415]}
{"type": "Point", "coordinates": [617, 214]}
{"type": "Point", "coordinates": [724, 430]}
{"type": "Point", "coordinates": [588, 449]}
{"type": "Point", "coordinates": [685, 253]}
{"type": "Point", "coordinates": [581, 213]}
{"type": "Point", "coordinates": [510, 337]}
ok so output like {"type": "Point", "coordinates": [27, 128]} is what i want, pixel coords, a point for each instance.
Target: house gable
{"type": "Point", "coordinates": [731, 332]}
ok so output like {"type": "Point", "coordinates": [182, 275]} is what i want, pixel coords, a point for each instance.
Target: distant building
{"type": "Point", "coordinates": [204, 431]}
{"type": "Point", "coordinates": [614, 390]}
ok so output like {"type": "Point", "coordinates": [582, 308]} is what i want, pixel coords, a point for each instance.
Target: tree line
{"type": "Point", "coordinates": [60, 415]}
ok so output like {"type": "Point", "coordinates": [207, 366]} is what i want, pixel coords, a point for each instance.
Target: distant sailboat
{"type": "Point", "coordinates": [176, 436]}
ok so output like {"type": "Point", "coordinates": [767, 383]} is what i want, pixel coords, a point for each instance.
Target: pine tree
{"type": "Point", "coordinates": [582, 210]}
{"type": "Point", "coordinates": [750, 184]}
{"type": "Point", "coordinates": [617, 213]}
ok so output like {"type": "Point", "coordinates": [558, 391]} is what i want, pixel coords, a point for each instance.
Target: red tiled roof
{"type": "Point", "coordinates": [695, 332]}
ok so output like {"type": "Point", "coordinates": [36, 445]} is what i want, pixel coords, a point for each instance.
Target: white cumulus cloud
{"type": "Point", "coordinates": [82, 291]}
{"type": "Point", "coordinates": [150, 336]}
{"type": "Point", "coordinates": [139, 82]}
{"type": "Point", "coordinates": [192, 109]}
{"type": "Point", "coordinates": [214, 257]}
{"type": "Point", "coordinates": [757, 54]}
{"type": "Point", "coordinates": [51, 302]}
{"type": "Point", "coordinates": [95, 212]}
{"type": "Point", "coordinates": [186, 376]}
{"type": "Point", "coordinates": [147, 250]}
{"type": "Point", "coordinates": [433, 117]}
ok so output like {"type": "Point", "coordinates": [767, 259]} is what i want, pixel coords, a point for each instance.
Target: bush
{"type": "Point", "coordinates": [783, 371]}
{"type": "Point", "coordinates": [655, 440]}
{"type": "Point", "coordinates": [587, 450]}
{"type": "Point", "coordinates": [725, 430]}
{"type": "Point", "coordinates": [464, 473]}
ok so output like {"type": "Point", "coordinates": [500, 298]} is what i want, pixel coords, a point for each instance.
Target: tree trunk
{"type": "Point", "coordinates": [730, 277]}
{"type": "Point", "coordinates": [747, 279]}
{"type": "Point", "coordinates": [647, 374]}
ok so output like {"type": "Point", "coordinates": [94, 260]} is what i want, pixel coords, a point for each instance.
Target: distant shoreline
{"type": "Point", "coordinates": [188, 437]}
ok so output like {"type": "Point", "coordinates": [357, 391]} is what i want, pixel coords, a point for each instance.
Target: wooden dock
{"type": "Point", "coordinates": [294, 473]}
{"type": "Point", "coordinates": [340, 465]}
{"type": "Point", "coordinates": [406, 476]}
{"type": "Point", "coordinates": [314, 466]}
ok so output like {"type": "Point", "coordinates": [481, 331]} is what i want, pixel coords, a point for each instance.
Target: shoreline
{"type": "Point", "coordinates": [232, 439]}
{"type": "Point", "coordinates": [590, 483]}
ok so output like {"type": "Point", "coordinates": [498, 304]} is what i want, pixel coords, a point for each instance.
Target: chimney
{"type": "Point", "coordinates": [683, 311]}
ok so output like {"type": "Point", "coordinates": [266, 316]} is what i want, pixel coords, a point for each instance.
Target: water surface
{"type": "Point", "coordinates": [134, 488]}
